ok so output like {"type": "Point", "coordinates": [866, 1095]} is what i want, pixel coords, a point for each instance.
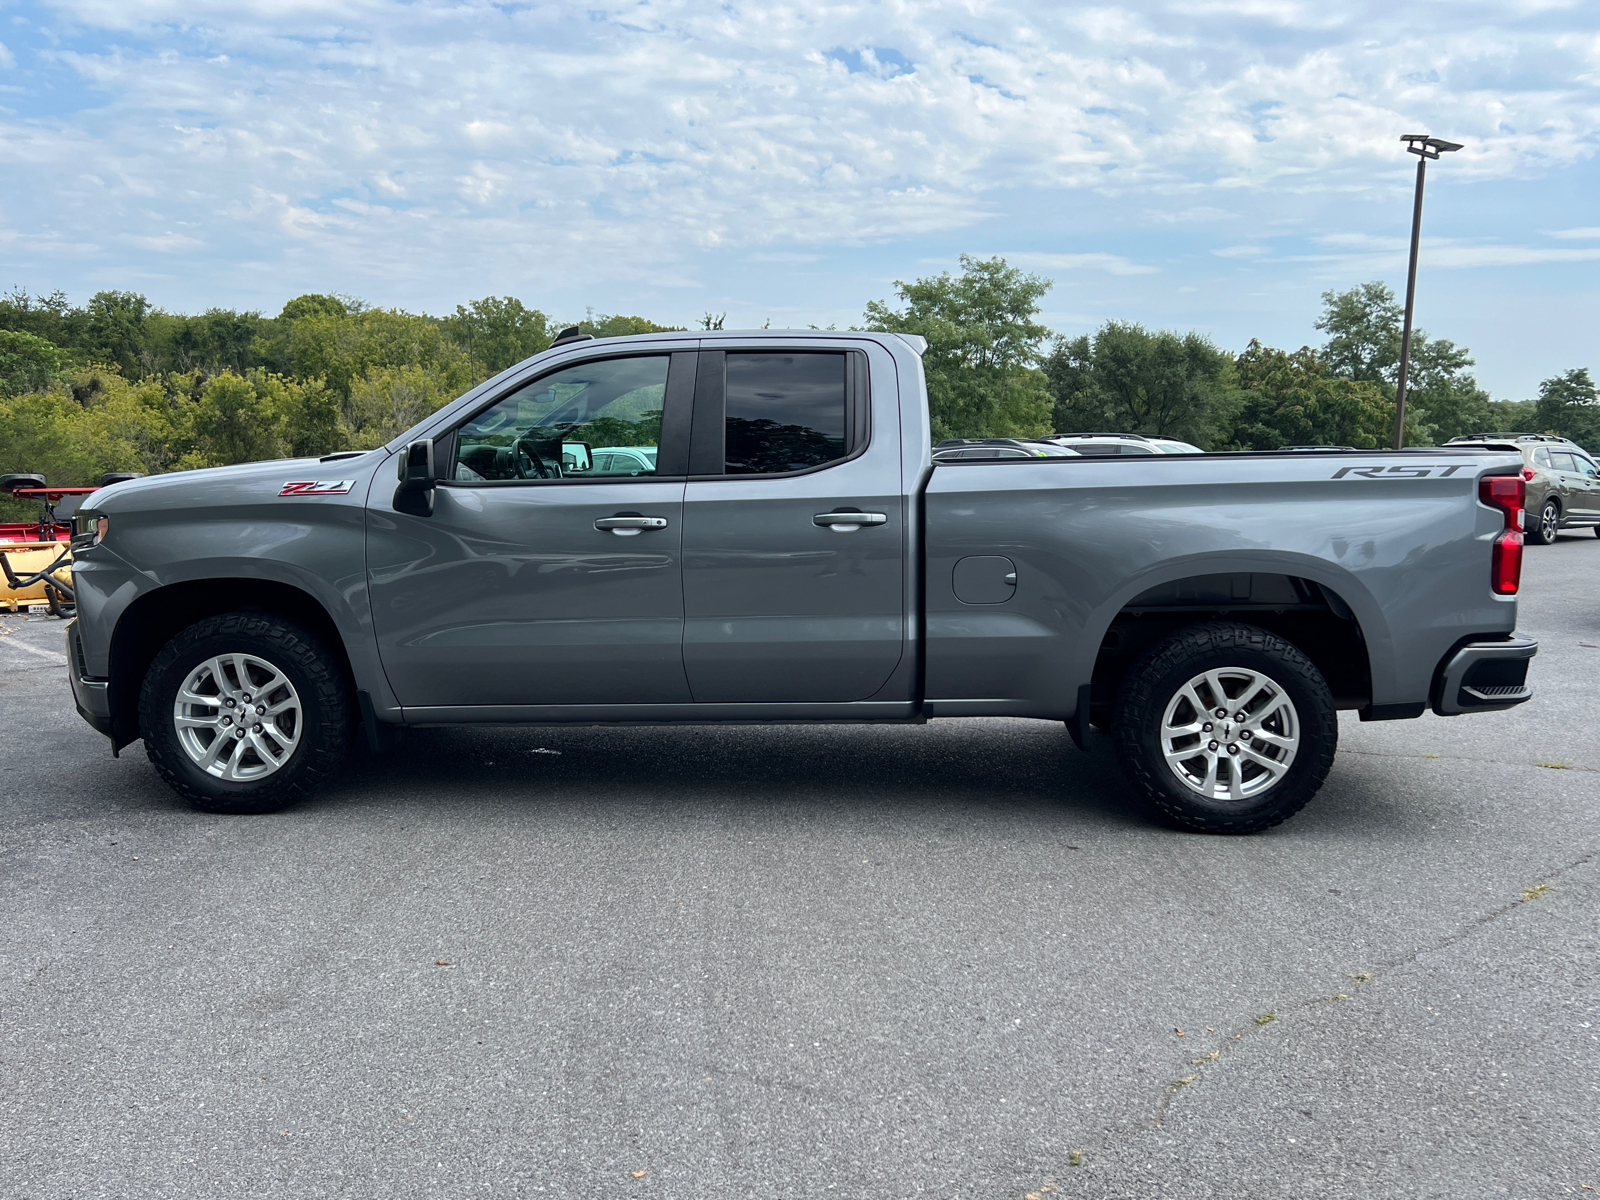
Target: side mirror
{"type": "Point", "coordinates": [417, 479]}
{"type": "Point", "coordinates": [576, 458]}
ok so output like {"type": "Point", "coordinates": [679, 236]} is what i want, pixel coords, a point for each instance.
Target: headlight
{"type": "Point", "coordinates": [90, 529]}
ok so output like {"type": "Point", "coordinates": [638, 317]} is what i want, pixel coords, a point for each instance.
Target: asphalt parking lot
{"type": "Point", "coordinates": [955, 960]}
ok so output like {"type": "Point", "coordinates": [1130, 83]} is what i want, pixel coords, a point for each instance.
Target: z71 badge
{"type": "Point", "coordinates": [1397, 472]}
{"type": "Point", "coordinates": [318, 487]}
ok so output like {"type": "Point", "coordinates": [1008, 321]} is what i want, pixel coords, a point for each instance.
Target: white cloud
{"type": "Point", "coordinates": [1113, 264]}
{"type": "Point", "coordinates": [7, 59]}
{"type": "Point", "coordinates": [433, 150]}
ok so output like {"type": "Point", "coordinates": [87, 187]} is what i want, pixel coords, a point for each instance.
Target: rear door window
{"type": "Point", "coordinates": [1562, 461]}
{"type": "Point", "coordinates": [785, 412]}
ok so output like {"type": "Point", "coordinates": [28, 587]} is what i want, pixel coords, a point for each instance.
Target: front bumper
{"type": "Point", "coordinates": [90, 695]}
{"type": "Point", "coordinates": [1484, 676]}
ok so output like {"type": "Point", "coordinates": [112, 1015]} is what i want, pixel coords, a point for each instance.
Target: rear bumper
{"type": "Point", "coordinates": [90, 695]}
{"type": "Point", "coordinates": [1484, 676]}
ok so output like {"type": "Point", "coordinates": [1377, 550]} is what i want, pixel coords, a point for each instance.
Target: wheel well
{"type": "Point", "coordinates": [155, 618]}
{"type": "Point", "coordinates": [1311, 617]}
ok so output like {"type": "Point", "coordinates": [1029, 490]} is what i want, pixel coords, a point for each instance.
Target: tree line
{"type": "Point", "coordinates": [118, 384]}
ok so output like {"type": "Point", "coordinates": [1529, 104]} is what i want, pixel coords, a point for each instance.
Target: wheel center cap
{"type": "Point", "coordinates": [1227, 730]}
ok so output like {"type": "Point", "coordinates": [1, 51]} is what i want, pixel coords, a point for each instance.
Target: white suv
{"type": "Point", "coordinates": [1122, 443]}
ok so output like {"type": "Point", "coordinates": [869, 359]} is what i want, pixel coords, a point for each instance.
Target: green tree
{"type": "Point", "coordinates": [388, 400]}
{"type": "Point", "coordinates": [1129, 379]}
{"type": "Point", "coordinates": [498, 332]}
{"type": "Point", "coordinates": [983, 355]}
{"type": "Point", "coordinates": [50, 317]}
{"type": "Point", "coordinates": [1568, 406]}
{"type": "Point", "coordinates": [313, 304]}
{"type": "Point", "coordinates": [617, 325]}
{"type": "Point", "coordinates": [27, 362]}
{"type": "Point", "coordinates": [219, 339]}
{"type": "Point", "coordinates": [1069, 369]}
{"type": "Point", "coordinates": [115, 334]}
{"type": "Point", "coordinates": [342, 349]}
{"type": "Point", "coordinates": [240, 418]}
{"type": "Point", "coordinates": [1292, 399]}
{"type": "Point", "coordinates": [1364, 327]}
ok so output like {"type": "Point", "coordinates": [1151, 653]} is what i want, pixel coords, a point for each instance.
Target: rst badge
{"type": "Point", "coordinates": [318, 487]}
{"type": "Point", "coordinates": [1397, 472]}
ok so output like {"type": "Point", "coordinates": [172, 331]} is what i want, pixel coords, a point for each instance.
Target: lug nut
{"type": "Point", "coordinates": [227, 720]}
{"type": "Point", "coordinates": [262, 709]}
{"type": "Point", "coordinates": [238, 733]}
{"type": "Point", "coordinates": [1244, 735]}
{"type": "Point", "coordinates": [229, 701]}
{"type": "Point", "coordinates": [1221, 713]}
{"type": "Point", "coordinates": [1206, 728]}
{"type": "Point", "coordinates": [246, 699]}
{"type": "Point", "coordinates": [1239, 716]}
{"type": "Point", "coordinates": [256, 729]}
{"type": "Point", "coordinates": [1233, 749]}
{"type": "Point", "coordinates": [1211, 746]}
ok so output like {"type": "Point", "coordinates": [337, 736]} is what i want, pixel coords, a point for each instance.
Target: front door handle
{"type": "Point", "coordinates": [630, 524]}
{"type": "Point", "coordinates": [848, 522]}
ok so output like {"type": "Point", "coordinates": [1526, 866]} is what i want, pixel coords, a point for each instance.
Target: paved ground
{"type": "Point", "coordinates": [940, 961]}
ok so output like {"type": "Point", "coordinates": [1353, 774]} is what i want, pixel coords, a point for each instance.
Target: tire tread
{"type": "Point", "coordinates": [293, 644]}
{"type": "Point", "coordinates": [1170, 655]}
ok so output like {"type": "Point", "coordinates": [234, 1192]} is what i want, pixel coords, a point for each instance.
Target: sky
{"type": "Point", "coordinates": [1211, 164]}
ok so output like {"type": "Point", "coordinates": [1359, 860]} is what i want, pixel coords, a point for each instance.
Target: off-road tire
{"type": "Point", "coordinates": [1535, 533]}
{"type": "Point", "coordinates": [309, 667]}
{"type": "Point", "coordinates": [1153, 682]}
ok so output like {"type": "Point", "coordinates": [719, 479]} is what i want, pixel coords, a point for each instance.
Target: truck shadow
{"type": "Point", "coordinates": [995, 765]}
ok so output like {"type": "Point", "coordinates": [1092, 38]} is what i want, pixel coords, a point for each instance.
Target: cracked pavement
{"type": "Point", "coordinates": [936, 961]}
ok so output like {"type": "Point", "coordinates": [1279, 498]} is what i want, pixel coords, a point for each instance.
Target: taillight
{"type": "Point", "coordinates": [1527, 473]}
{"type": "Point", "coordinates": [1507, 493]}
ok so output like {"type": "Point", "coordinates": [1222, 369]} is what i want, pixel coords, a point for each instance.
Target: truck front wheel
{"type": "Point", "coordinates": [1226, 728]}
{"type": "Point", "coordinates": [244, 713]}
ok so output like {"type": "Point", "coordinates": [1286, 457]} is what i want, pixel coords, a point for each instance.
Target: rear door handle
{"type": "Point", "coordinates": [848, 522]}
{"type": "Point", "coordinates": [630, 524]}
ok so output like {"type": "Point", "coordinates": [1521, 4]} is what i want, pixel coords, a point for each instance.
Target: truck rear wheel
{"type": "Point", "coordinates": [244, 713]}
{"type": "Point", "coordinates": [1226, 728]}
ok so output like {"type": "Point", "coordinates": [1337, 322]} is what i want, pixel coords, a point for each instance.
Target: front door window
{"type": "Point", "coordinates": [594, 420]}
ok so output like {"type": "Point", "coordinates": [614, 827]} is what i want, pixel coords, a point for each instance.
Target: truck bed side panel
{"type": "Point", "coordinates": [1408, 552]}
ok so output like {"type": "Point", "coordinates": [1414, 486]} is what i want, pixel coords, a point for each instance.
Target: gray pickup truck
{"type": "Point", "coordinates": [749, 527]}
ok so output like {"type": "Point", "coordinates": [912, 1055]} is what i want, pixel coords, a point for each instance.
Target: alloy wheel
{"type": "Point", "coordinates": [1230, 733]}
{"type": "Point", "coordinates": [238, 717]}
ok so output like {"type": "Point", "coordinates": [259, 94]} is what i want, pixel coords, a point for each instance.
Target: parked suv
{"type": "Point", "coordinates": [1122, 443]}
{"type": "Point", "coordinates": [967, 449]}
{"type": "Point", "coordinates": [1563, 481]}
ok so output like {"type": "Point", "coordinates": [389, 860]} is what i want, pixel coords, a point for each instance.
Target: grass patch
{"type": "Point", "coordinates": [1266, 1018]}
{"type": "Point", "coordinates": [1534, 892]}
{"type": "Point", "coordinates": [1554, 766]}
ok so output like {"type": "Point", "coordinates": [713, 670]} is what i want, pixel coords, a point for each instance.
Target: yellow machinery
{"type": "Point", "coordinates": [27, 567]}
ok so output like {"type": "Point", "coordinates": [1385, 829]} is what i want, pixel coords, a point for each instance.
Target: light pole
{"type": "Point", "coordinates": [1424, 147]}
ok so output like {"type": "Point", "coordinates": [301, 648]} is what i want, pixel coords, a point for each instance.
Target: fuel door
{"type": "Point", "coordinates": [985, 579]}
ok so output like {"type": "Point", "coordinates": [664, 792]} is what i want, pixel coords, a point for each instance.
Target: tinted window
{"type": "Point", "coordinates": [1097, 448]}
{"type": "Point", "coordinates": [1561, 462]}
{"type": "Point", "coordinates": [569, 425]}
{"type": "Point", "coordinates": [1541, 457]}
{"type": "Point", "coordinates": [1584, 465]}
{"type": "Point", "coordinates": [785, 412]}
